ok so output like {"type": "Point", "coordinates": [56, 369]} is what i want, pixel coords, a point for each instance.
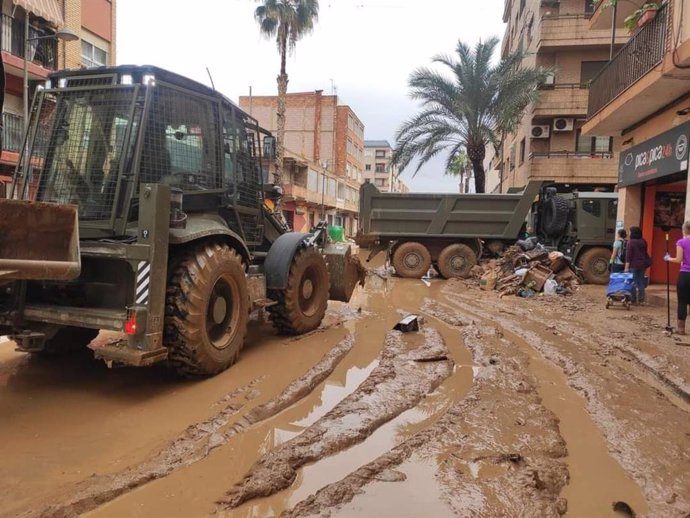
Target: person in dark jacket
{"type": "Point", "coordinates": [636, 263]}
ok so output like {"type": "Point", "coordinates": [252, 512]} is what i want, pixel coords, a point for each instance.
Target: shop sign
{"type": "Point", "coordinates": [661, 156]}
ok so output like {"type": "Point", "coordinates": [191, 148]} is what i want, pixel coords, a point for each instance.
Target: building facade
{"type": "Point", "coordinates": [92, 20]}
{"type": "Point", "coordinates": [378, 168]}
{"type": "Point", "coordinates": [643, 96]}
{"type": "Point", "coordinates": [549, 143]}
{"type": "Point", "coordinates": [324, 143]}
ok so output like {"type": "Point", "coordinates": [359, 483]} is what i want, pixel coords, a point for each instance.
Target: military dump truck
{"type": "Point", "coordinates": [452, 231]}
{"type": "Point", "coordinates": [138, 206]}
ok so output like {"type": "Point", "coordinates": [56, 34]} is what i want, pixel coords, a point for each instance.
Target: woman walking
{"type": "Point", "coordinates": [617, 261]}
{"type": "Point", "coordinates": [636, 263]}
{"type": "Point", "coordinates": [683, 286]}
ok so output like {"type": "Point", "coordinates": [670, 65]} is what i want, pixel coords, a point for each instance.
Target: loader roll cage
{"type": "Point", "coordinates": [96, 135]}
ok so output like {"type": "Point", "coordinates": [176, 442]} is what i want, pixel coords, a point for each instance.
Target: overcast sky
{"type": "Point", "coordinates": [366, 48]}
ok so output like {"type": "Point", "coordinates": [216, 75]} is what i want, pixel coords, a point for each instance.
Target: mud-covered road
{"type": "Point", "coordinates": [510, 407]}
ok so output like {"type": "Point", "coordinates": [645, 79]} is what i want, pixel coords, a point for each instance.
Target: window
{"type": "Point", "coordinates": [589, 70]}
{"type": "Point", "coordinates": [92, 56]}
{"type": "Point", "coordinates": [380, 182]}
{"type": "Point", "coordinates": [380, 153]}
{"type": "Point", "coordinates": [593, 207]}
{"type": "Point", "coordinates": [367, 167]}
{"type": "Point", "coordinates": [380, 168]}
{"type": "Point", "coordinates": [613, 209]}
{"type": "Point", "coordinates": [522, 151]}
{"type": "Point", "coordinates": [587, 144]}
{"type": "Point", "coordinates": [590, 6]}
{"type": "Point", "coordinates": [313, 181]}
{"type": "Point", "coordinates": [332, 187]}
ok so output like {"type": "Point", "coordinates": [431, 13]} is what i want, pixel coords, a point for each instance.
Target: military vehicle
{"type": "Point", "coordinates": [452, 231]}
{"type": "Point", "coordinates": [138, 206]}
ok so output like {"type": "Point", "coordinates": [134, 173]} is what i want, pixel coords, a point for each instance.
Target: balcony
{"type": "Point", "coordinates": [568, 31]}
{"type": "Point", "coordinates": [640, 80]}
{"type": "Point", "coordinates": [601, 18]}
{"type": "Point", "coordinates": [42, 53]}
{"type": "Point", "coordinates": [13, 132]}
{"type": "Point", "coordinates": [574, 167]}
{"type": "Point", "coordinates": [562, 100]}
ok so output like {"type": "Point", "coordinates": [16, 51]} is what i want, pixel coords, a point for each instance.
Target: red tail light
{"type": "Point", "coordinates": [131, 326]}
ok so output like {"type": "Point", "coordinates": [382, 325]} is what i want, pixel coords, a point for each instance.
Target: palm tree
{"type": "Point", "coordinates": [467, 110]}
{"type": "Point", "coordinates": [287, 21]}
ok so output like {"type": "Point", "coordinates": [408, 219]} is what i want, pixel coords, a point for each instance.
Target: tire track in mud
{"type": "Point", "coordinates": [198, 440]}
{"type": "Point", "coordinates": [627, 413]}
{"type": "Point", "coordinates": [498, 455]}
{"type": "Point", "coordinates": [405, 374]}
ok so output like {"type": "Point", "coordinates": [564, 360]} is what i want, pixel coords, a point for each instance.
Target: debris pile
{"type": "Point", "coordinates": [527, 273]}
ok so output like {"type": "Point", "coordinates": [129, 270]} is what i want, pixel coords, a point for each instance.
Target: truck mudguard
{"type": "Point", "coordinates": [279, 259]}
{"type": "Point", "coordinates": [207, 225]}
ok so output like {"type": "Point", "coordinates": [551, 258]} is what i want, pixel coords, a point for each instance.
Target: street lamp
{"type": "Point", "coordinates": [62, 34]}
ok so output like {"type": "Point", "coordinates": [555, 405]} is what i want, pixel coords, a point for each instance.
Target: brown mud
{"type": "Point", "coordinates": [506, 407]}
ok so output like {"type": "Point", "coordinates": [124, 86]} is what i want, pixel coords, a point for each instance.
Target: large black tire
{"type": "Point", "coordinates": [67, 340]}
{"type": "Point", "coordinates": [411, 260]}
{"type": "Point", "coordinates": [456, 261]}
{"type": "Point", "coordinates": [554, 216]}
{"type": "Point", "coordinates": [207, 311]}
{"type": "Point", "coordinates": [594, 264]}
{"type": "Point", "coordinates": [302, 305]}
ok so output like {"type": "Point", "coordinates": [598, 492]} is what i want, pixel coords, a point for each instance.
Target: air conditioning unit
{"type": "Point", "coordinates": [542, 131]}
{"type": "Point", "coordinates": [550, 79]}
{"type": "Point", "coordinates": [563, 124]}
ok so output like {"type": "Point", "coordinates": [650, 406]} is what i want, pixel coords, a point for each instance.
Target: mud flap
{"type": "Point", "coordinates": [39, 241]}
{"type": "Point", "coordinates": [345, 271]}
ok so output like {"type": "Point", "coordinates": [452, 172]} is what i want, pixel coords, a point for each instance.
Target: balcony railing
{"type": "Point", "coordinates": [42, 52]}
{"type": "Point", "coordinates": [13, 132]}
{"type": "Point", "coordinates": [571, 154]}
{"type": "Point", "coordinates": [640, 55]}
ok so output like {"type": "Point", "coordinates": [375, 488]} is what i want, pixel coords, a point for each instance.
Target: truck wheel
{"type": "Point", "coordinates": [68, 340]}
{"type": "Point", "coordinates": [207, 311]}
{"type": "Point", "coordinates": [411, 260]}
{"type": "Point", "coordinates": [595, 265]}
{"type": "Point", "coordinates": [456, 261]}
{"type": "Point", "coordinates": [555, 215]}
{"type": "Point", "coordinates": [302, 305]}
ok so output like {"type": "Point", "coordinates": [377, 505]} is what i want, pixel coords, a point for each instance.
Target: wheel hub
{"type": "Point", "coordinates": [220, 309]}
{"type": "Point", "coordinates": [601, 266]}
{"type": "Point", "coordinates": [412, 261]}
{"type": "Point", "coordinates": [457, 262]}
{"type": "Point", "coordinates": [307, 289]}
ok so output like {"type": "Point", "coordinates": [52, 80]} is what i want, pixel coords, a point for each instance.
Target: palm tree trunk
{"type": "Point", "coordinates": [280, 115]}
{"type": "Point", "coordinates": [476, 155]}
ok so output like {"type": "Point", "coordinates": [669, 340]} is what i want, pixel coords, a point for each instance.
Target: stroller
{"type": "Point", "coordinates": [619, 290]}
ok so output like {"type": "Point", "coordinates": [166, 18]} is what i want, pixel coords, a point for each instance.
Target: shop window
{"type": "Point", "coordinates": [593, 207]}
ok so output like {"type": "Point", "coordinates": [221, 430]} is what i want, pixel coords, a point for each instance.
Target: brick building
{"type": "Point", "coordinates": [324, 143]}
{"type": "Point", "coordinates": [92, 20]}
{"type": "Point", "coordinates": [643, 95]}
{"type": "Point", "coordinates": [549, 143]}
{"type": "Point", "coordinates": [378, 168]}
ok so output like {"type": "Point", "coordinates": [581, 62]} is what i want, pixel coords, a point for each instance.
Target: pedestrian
{"type": "Point", "coordinates": [636, 262]}
{"type": "Point", "coordinates": [617, 261]}
{"type": "Point", "coordinates": [683, 285]}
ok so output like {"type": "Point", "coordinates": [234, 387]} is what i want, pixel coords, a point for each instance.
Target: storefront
{"type": "Point", "coordinates": [656, 171]}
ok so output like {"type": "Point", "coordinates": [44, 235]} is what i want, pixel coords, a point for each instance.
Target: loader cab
{"type": "Point", "coordinates": [96, 135]}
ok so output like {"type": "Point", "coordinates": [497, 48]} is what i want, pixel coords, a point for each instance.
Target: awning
{"type": "Point", "coordinates": [48, 9]}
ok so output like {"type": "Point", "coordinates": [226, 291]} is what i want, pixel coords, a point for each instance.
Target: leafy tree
{"type": "Point", "coordinates": [287, 21]}
{"type": "Point", "coordinates": [468, 108]}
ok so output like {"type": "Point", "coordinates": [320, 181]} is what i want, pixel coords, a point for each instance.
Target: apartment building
{"type": "Point", "coordinates": [324, 144]}
{"type": "Point", "coordinates": [378, 168]}
{"type": "Point", "coordinates": [643, 96]}
{"type": "Point", "coordinates": [549, 143]}
{"type": "Point", "coordinates": [92, 20]}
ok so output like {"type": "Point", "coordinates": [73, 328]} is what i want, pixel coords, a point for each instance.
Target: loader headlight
{"type": "Point", "coordinates": [62, 82]}
{"type": "Point", "coordinates": [126, 79]}
{"type": "Point", "coordinates": [48, 84]}
{"type": "Point", "coordinates": [148, 80]}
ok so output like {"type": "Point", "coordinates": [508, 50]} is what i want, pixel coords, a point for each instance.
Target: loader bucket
{"type": "Point", "coordinates": [345, 271]}
{"type": "Point", "coordinates": [38, 241]}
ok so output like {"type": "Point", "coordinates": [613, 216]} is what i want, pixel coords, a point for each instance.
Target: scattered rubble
{"type": "Point", "coordinates": [527, 273]}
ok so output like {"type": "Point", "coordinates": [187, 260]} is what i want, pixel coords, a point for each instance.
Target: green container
{"type": "Point", "coordinates": [336, 233]}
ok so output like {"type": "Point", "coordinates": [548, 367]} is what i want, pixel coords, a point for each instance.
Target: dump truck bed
{"type": "Point", "coordinates": [408, 215]}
